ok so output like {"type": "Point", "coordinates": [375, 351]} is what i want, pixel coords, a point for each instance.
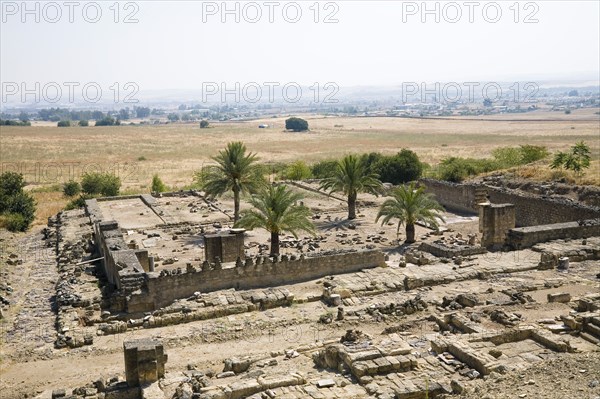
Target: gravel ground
{"type": "Point", "coordinates": [576, 376]}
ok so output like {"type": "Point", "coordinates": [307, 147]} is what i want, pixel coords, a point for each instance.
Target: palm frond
{"type": "Point", "coordinates": [410, 205]}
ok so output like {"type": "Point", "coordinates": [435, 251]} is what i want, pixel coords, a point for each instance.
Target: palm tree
{"type": "Point", "coordinates": [276, 210]}
{"type": "Point", "coordinates": [235, 171]}
{"type": "Point", "coordinates": [410, 205]}
{"type": "Point", "coordinates": [351, 177]}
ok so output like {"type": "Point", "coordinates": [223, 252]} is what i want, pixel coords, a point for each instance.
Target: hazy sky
{"type": "Point", "coordinates": [180, 45]}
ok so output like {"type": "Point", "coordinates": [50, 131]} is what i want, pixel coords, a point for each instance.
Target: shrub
{"type": "Point", "coordinates": [63, 124]}
{"type": "Point", "coordinates": [532, 153]}
{"type": "Point", "coordinates": [71, 188]}
{"type": "Point", "coordinates": [78, 202]}
{"type": "Point", "coordinates": [457, 169]}
{"type": "Point", "coordinates": [157, 185]}
{"type": "Point", "coordinates": [577, 159]}
{"type": "Point", "coordinates": [15, 222]}
{"type": "Point", "coordinates": [84, 122]}
{"type": "Point", "coordinates": [507, 156]}
{"type": "Point", "coordinates": [203, 124]}
{"type": "Point", "coordinates": [400, 168]}
{"type": "Point", "coordinates": [296, 124]}
{"type": "Point", "coordinates": [104, 184]}
{"type": "Point", "coordinates": [22, 204]}
{"type": "Point", "coordinates": [11, 183]}
{"type": "Point", "coordinates": [298, 170]}
{"type": "Point", "coordinates": [323, 169]}
{"type": "Point", "coordinates": [108, 121]}
{"type": "Point", "coordinates": [368, 160]}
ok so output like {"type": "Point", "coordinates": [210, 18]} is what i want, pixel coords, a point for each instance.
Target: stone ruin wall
{"type": "Point", "coordinates": [141, 291]}
{"type": "Point", "coordinates": [255, 273]}
{"type": "Point", "coordinates": [525, 237]}
{"type": "Point", "coordinates": [531, 210]}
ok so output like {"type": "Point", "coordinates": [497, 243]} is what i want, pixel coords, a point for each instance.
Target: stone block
{"type": "Point", "coordinates": [562, 297]}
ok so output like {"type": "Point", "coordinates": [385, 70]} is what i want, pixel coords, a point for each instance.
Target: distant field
{"type": "Point", "coordinates": [48, 155]}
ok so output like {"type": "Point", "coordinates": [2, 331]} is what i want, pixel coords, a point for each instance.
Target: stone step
{"type": "Point", "coordinates": [592, 329]}
{"type": "Point", "coordinates": [590, 338]}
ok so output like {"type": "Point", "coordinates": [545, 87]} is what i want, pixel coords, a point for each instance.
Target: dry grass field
{"type": "Point", "coordinates": [48, 155]}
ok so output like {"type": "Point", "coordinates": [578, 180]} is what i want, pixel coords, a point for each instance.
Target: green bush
{"type": "Point", "coordinates": [577, 159]}
{"type": "Point", "coordinates": [15, 222]}
{"type": "Point", "coordinates": [108, 121]}
{"type": "Point", "coordinates": [507, 156]}
{"type": "Point", "coordinates": [532, 153]}
{"type": "Point", "coordinates": [456, 169]}
{"type": "Point", "coordinates": [104, 184]}
{"type": "Point", "coordinates": [64, 123]}
{"type": "Point", "coordinates": [400, 168]}
{"type": "Point", "coordinates": [16, 204]}
{"type": "Point", "coordinates": [323, 169]}
{"type": "Point", "coordinates": [22, 204]}
{"type": "Point", "coordinates": [157, 185]}
{"type": "Point", "coordinates": [298, 170]}
{"type": "Point", "coordinates": [78, 202]}
{"type": "Point", "coordinates": [203, 124]}
{"type": "Point", "coordinates": [84, 122]}
{"type": "Point", "coordinates": [369, 160]}
{"type": "Point", "coordinates": [71, 188]}
{"type": "Point", "coordinates": [11, 183]}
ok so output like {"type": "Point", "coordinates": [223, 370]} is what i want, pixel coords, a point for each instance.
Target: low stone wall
{"type": "Point", "coordinates": [161, 290]}
{"type": "Point", "coordinates": [525, 237]}
{"type": "Point", "coordinates": [443, 251]}
{"type": "Point", "coordinates": [530, 209]}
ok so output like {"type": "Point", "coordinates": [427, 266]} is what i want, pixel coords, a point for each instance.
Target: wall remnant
{"type": "Point", "coordinates": [228, 246]}
{"type": "Point", "coordinates": [530, 209]}
{"type": "Point", "coordinates": [494, 222]}
{"type": "Point", "coordinates": [144, 361]}
{"type": "Point", "coordinates": [525, 237]}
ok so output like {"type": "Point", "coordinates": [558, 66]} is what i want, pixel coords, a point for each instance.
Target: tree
{"type": "Point", "coordinates": [173, 117]}
{"type": "Point", "coordinates": [296, 124]}
{"type": "Point", "coordinates": [157, 185]}
{"type": "Point", "coordinates": [64, 124]}
{"type": "Point", "coordinates": [84, 122]}
{"type": "Point", "coordinates": [108, 121]}
{"type": "Point", "coordinates": [24, 116]}
{"type": "Point", "coordinates": [350, 177]}
{"type": "Point", "coordinates": [276, 210]}
{"type": "Point", "coordinates": [97, 115]}
{"type": "Point", "coordinates": [235, 171]}
{"type": "Point", "coordinates": [400, 168]}
{"type": "Point", "coordinates": [142, 112]}
{"type": "Point", "coordinates": [203, 124]}
{"type": "Point", "coordinates": [410, 205]}
{"type": "Point", "coordinates": [124, 114]}
{"type": "Point", "coordinates": [577, 159]}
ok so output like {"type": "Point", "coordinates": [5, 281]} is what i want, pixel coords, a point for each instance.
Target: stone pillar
{"type": "Point", "coordinates": [144, 361]}
{"type": "Point", "coordinates": [151, 263]}
{"type": "Point", "coordinates": [494, 222]}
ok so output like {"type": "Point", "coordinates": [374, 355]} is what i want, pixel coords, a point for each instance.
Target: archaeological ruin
{"type": "Point", "coordinates": [179, 304]}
